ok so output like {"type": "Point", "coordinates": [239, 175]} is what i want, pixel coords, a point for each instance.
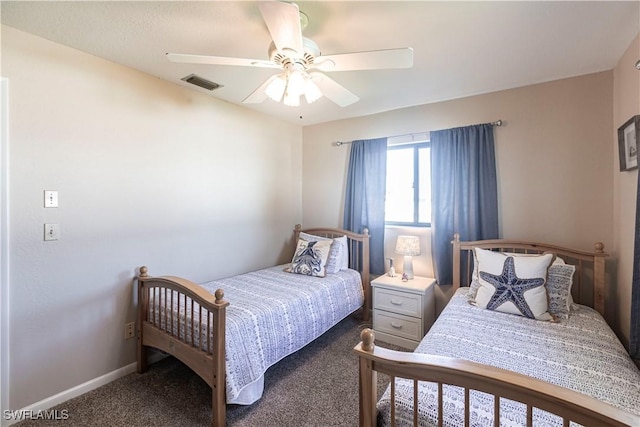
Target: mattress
{"type": "Point", "coordinates": [272, 314]}
{"type": "Point", "coordinates": [580, 353]}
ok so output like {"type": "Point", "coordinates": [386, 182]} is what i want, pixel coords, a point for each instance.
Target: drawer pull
{"type": "Point", "coordinates": [396, 325]}
{"type": "Point", "coordinates": [396, 302]}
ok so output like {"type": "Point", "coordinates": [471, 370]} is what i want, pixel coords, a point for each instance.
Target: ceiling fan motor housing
{"type": "Point", "coordinates": [286, 56]}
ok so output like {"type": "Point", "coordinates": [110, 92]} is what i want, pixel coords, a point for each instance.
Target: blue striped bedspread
{"type": "Point", "coordinates": [273, 313]}
{"type": "Point", "coordinates": [580, 353]}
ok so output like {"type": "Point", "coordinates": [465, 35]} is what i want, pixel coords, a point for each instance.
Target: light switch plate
{"type": "Point", "coordinates": [51, 231]}
{"type": "Point", "coordinates": [50, 199]}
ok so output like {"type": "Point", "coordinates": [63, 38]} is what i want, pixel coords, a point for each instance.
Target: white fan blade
{"type": "Point", "coordinates": [372, 60]}
{"type": "Point", "coordinates": [332, 90]}
{"type": "Point", "coordinates": [259, 95]}
{"type": "Point", "coordinates": [283, 22]}
{"type": "Point", "coordinates": [219, 60]}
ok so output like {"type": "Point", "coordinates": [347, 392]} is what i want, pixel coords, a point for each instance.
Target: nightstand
{"type": "Point", "coordinates": [403, 312]}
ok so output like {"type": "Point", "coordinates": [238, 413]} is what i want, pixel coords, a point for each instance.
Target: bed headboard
{"type": "Point", "coordinates": [588, 281]}
{"type": "Point", "coordinates": [358, 254]}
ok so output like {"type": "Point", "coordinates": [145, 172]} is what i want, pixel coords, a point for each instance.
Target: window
{"type": "Point", "coordinates": [408, 198]}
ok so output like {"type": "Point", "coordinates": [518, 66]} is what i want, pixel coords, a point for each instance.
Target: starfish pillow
{"type": "Point", "coordinates": [513, 285]}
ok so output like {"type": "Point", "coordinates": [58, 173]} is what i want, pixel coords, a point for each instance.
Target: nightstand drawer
{"type": "Point", "coordinates": [398, 325]}
{"type": "Point", "coordinates": [398, 302]}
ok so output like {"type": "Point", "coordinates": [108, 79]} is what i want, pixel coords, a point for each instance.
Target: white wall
{"type": "Point", "coordinates": [626, 105]}
{"type": "Point", "coordinates": [553, 156]}
{"type": "Point", "coordinates": [147, 173]}
{"type": "Point", "coordinates": [4, 249]}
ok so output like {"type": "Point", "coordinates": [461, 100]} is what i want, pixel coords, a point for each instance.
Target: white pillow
{"type": "Point", "coordinates": [513, 284]}
{"type": "Point", "coordinates": [559, 283]}
{"type": "Point", "coordinates": [474, 285]}
{"type": "Point", "coordinates": [310, 258]}
{"type": "Point", "coordinates": [344, 252]}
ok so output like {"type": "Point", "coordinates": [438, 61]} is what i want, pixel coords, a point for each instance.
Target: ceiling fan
{"type": "Point", "coordinates": [301, 62]}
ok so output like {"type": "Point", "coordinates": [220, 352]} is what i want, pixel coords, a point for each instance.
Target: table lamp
{"type": "Point", "coordinates": [408, 246]}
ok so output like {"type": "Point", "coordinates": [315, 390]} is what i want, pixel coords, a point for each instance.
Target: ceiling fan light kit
{"type": "Point", "coordinates": [289, 86]}
{"type": "Point", "coordinates": [299, 58]}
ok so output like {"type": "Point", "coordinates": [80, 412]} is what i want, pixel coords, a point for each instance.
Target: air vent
{"type": "Point", "coordinates": [202, 82]}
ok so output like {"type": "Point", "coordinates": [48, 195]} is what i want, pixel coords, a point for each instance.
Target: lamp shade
{"type": "Point", "coordinates": [408, 245]}
{"type": "Point", "coordinates": [276, 88]}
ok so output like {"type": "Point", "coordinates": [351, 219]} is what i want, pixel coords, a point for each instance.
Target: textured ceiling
{"type": "Point", "coordinates": [460, 48]}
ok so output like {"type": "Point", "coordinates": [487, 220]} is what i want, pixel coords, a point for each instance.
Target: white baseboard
{"type": "Point", "coordinates": [78, 390]}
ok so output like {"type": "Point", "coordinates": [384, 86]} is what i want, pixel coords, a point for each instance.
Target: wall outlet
{"type": "Point", "coordinates": [129, 330]}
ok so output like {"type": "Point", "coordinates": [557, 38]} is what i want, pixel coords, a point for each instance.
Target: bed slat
{"type": "Point", "coordinates": [208, 331]}
{"type": "Point", "coordinates": [170, 308]}
{"type": "Point", "coordinates": [470, 262]}
{"type": "Point", "coordinates": [466, 406]}
{"type": "Point", "coordinates": [393, 401]}
{"type": "Point", "coordinates": [192, 323]}
{"type": "Point", "coordinates": [415, 402]}
{"type": "Point", "coordinates": [579, 278]}
{"type": "Point", "coordinates": [200, 338]}
{"type": "Point", "coordinates": [440, 406]}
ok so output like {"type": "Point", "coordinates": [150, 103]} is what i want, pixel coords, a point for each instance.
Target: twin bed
{"type": "Point", "coordinates": [482, 367]}
{"type": "Point", "coordinates": [230, 331]}
{"type": "Point", "coordinates": [472, 368]}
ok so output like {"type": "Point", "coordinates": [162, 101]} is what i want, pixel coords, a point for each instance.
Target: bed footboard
{"type": "Point", "coordinates": [184, 320]}
{"type": "Point", "coordinates": [500, 383]}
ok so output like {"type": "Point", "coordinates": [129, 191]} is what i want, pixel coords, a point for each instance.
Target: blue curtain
{"type": "Point", "coordinates": [634, 335]}
{"type": "Point", "coordinates": [365, 194]}
{"type": "Point", "coordinates": [464, 191]}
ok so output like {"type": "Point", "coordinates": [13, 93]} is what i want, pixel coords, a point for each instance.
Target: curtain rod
{"type": "Point", "coordinates": [339, 143]}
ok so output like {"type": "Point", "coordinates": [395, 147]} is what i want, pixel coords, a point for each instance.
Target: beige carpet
{"type": "Point", "coordinates": [317, 386]}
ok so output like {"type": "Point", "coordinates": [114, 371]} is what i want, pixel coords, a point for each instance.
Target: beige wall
{"type": "Point", "coordinates": [554, 159]}
{"type": "Point", "coordinates": [148, 173]}
{"type": "Point", "coordinates": [626, 97]}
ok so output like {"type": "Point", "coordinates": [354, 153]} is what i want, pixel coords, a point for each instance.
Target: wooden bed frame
{"type": "Point", "coordinates": [570, 405]}
{"type": "Point", "coordinates": [207, 357]}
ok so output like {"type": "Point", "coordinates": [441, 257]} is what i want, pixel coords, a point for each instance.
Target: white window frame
{"type": "Point", "coordinates": [415, 146]}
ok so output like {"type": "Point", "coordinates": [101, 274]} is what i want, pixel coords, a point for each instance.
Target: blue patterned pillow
{"type": "Point", "coordinates": [559, 282]}
{"type": "Point", "coordinates": [513, 284]}
{"type": "Point", "coordinates": [310, 258]}
{"type": "Point", "coordinates": [336, 257]}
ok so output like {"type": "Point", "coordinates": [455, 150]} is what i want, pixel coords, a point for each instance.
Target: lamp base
{"type": "Point", "coordinates": [408, 266]}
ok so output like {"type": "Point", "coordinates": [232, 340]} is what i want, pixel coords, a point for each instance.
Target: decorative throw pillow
{"type": "Point", "coordinates": [513, 284]}
{"type": "Point", "coordinates": [474, 285]}
{"type": "Point", "coordinates": [559, 282]}
{"type": "Point", "coordinates": [344, 252]}
{"type": "Point", "coordinates": [310, 258]}
{"type": "Point", "coordinates": [337, 253]}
